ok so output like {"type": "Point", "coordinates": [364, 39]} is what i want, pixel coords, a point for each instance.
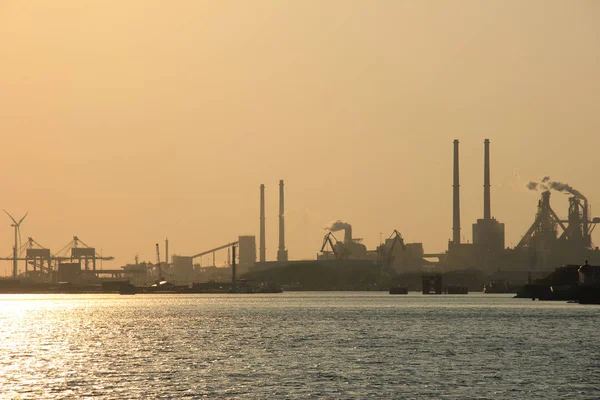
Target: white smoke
{"type": "Point", "coordinates": [547, 184]}
{"type": "Point", "coordinates": [338, 226]}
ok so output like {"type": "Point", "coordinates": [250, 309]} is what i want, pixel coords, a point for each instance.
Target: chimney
{"type": "Point", "coordinates": [348, 234]}
{"type": "Point", "coordinates": [262, 257]}
{"type": "Point", "coordinates": [456, 199]}
{"type": "Point", "coordinates": [487, 209]}
{"type": "Point", "coordinates": [282, 252]}
{"type": "Point", "coordinates": [167, 251]}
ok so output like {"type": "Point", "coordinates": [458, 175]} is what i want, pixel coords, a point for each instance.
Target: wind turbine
{"type": "Point", "coordinates": [16, 225]}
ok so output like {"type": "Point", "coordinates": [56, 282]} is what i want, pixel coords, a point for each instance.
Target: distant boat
{"type": "Point", "coordinates": [162, 286]}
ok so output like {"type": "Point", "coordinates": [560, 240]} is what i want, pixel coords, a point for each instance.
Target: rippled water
{"type": "Point", "coordinates": [297, 345]}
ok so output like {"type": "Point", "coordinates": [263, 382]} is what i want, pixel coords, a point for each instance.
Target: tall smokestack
{"type": "Point", "coordinates": [167, 251]}
{"type": "Point", "coordinates": [282, 252]}
{"type": "Point", "coordinates": [487, 208]}
{"type": "Point", "coordinates": [262, 256]}
{"type": "Point", "coordinates": [456, 199]}
{"type": "Point", "coordinates": [348, 234]}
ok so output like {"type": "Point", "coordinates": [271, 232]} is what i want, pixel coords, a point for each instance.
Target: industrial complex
{"type": "Point", "coordinates": [550, 242]}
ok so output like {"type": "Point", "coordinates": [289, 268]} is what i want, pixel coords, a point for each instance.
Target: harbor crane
{"type": "Point", "coordinates": [337, 248]}
{"type": "Point", "coordinates": [386, 256]}
{"type": "Point", "coordinates": [41, 258]}
{"type": "Point", "coordinates": [76, 249]}
{"type": "Point", "coordinates": [33, 254]}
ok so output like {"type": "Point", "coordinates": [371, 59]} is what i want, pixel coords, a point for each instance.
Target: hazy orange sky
{"type": "Point", "coordinates": [124, 122]}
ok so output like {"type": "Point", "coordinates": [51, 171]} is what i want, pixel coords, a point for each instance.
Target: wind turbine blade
{"type": "Point", "coordinates": [23, 218]}
{"type": "Point", "coordinates": [11, 217]}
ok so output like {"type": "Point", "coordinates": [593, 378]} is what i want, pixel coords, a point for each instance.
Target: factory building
{"type": "Point", "coordinates": [409, 258]}
{"type": "Point", "coordinates": [552, 241]}
{"type": "Point", "coordinates": [247, 253]}
{"type": "Point", "coordinates": [182, 269]}
{"type": "Point", "coordinates": [488, 233]}
{"type": "Point", "coordinates": [549, 243]}
{"type": "Point", "coordinates": [393, 254]}
{"type": "Point", "coordinates": [282, 253]}
{"type": "Point", "coordinates": [350, 250]}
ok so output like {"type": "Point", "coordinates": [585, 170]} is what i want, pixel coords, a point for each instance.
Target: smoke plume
{"type": "Point", "coordinates": [338, 226]}
{"type": "Point", "coordinates": [547, 184]}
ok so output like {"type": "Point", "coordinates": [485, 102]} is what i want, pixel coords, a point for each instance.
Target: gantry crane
{"type": "Point", "coordinates": [386, 256]}
{"type": "Point", "coordinates": [337, 248]}
{"type": "Point", "coordinates": [41, 258]}
{"type": "Point", "coordinates": [81, 252]}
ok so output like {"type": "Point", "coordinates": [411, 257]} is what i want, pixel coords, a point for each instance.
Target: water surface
{"type": "Point", "coordinates": [297, 345]}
